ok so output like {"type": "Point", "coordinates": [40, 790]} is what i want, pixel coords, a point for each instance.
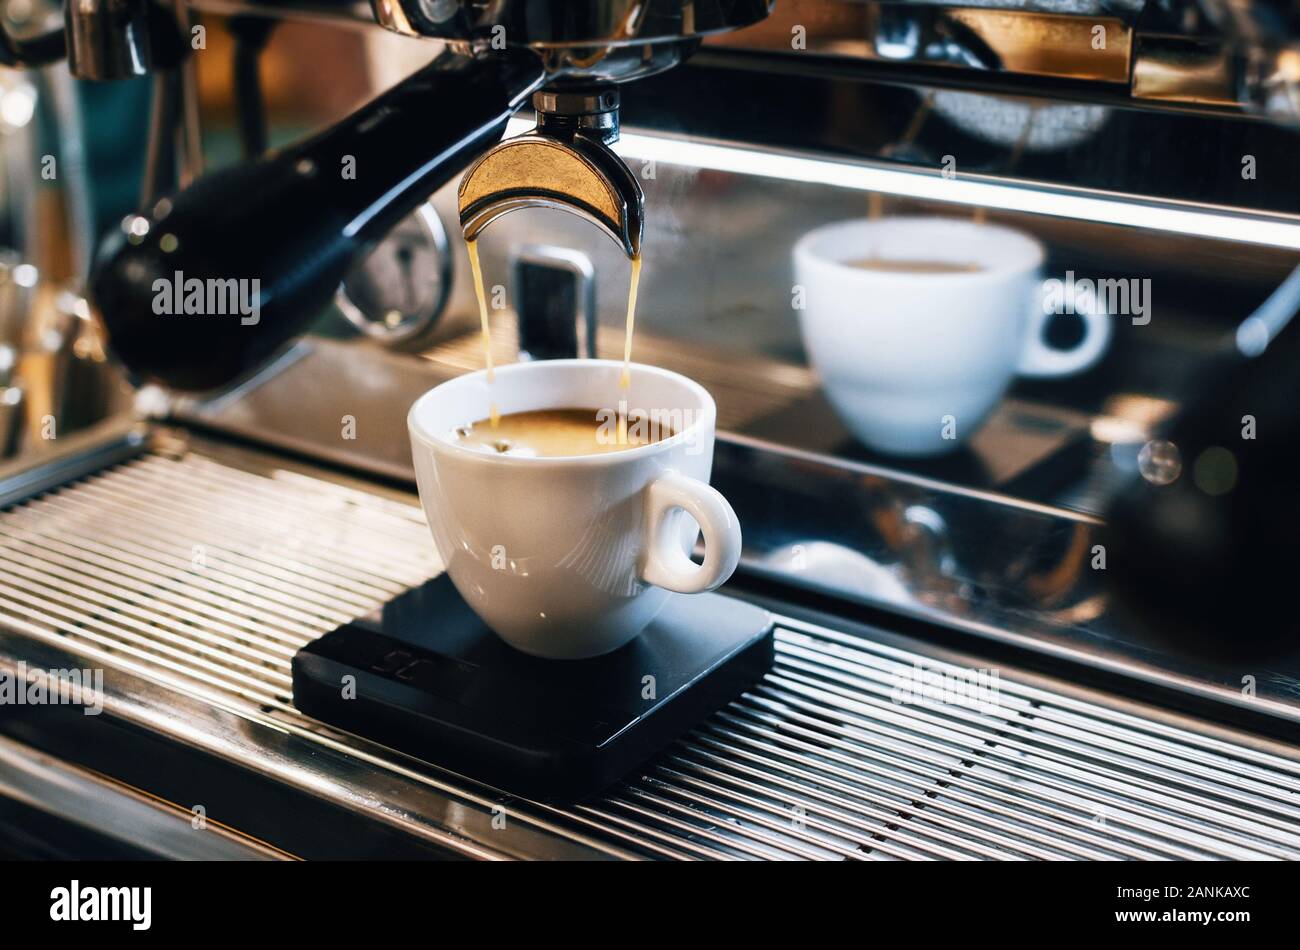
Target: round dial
{"type": "Point", "coordinates": [396, 294]}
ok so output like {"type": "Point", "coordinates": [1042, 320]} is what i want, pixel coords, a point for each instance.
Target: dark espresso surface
{"type": "Point", "coordinates": [549, 433]}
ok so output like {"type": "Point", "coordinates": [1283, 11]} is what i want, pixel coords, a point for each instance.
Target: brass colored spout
{"type": "Point", "coordinates": [565, 163]}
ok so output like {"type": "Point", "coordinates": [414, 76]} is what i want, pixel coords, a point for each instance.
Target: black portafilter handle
{"type": "Point", "coordinates": [1206, 565]}
{"type": "Point", "coordinates": [214, 282]}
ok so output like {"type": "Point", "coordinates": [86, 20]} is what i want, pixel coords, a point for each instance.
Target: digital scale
{"type": "Point", "coordinates": [425, 676]}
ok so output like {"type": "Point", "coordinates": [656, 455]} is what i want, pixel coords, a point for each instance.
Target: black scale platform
{"type": "Point", "coordinates": [432, 681]}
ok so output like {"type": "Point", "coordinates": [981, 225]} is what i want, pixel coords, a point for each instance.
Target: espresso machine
{"type": "Point", "coordinates": [1068, 638]}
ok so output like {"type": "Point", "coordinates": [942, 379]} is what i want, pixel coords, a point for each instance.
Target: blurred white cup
{"type": "Point", "coordinates": [914, 361]}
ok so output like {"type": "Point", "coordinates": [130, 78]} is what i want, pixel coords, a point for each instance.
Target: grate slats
{"type": "Point", "coordinates": [217, 574]}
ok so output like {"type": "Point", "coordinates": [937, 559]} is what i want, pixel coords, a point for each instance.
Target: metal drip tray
{"type": "Point", "coordinates": [193, 574]}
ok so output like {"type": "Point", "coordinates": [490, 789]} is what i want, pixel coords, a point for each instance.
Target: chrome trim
{"type": "Point", "coordinates": [109, 39]}
{"type": "Point", "coordinates": [105, 807]}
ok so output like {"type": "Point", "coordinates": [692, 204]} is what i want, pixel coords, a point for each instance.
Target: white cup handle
{"type": "Point", "coordinates": [664, 564]}
{"type": "Point", "coordinates": [1039, 359]}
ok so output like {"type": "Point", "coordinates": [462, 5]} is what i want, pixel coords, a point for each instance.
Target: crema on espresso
{"type": "Point", "coordinates": [552, 433]}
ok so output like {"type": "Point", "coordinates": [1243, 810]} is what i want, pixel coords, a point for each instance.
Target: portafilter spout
{"type": "Point", "coordinates": [566, 162]}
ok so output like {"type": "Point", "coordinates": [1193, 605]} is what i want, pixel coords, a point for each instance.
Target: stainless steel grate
{"type": "Point", "coordinates": [214, 575]}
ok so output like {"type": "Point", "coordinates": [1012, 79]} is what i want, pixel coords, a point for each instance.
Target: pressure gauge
{"type": "Point", "coordinates": [396, 294]}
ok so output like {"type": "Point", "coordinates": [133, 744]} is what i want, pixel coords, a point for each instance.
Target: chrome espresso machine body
{"type": "Point", "coordinates": [1065, 640]}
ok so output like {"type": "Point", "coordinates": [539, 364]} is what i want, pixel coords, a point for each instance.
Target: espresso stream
{"type": "Point", "coordinates": [477, 270]}
{"type": "Point", "coordinates": [583, 418]}
{"type": "Point", "coordinates": [625, 380]}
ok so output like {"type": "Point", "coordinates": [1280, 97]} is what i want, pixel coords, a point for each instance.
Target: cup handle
{"type": "Point", "coordinates": [1039, 359]}
{"type": "Point", "coordinates": [664, 564]}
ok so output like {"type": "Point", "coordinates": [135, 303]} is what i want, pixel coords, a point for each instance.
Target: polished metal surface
{"type": "Point", "coordinates": [1266, 37]}
{"type": "Point", "coordinates": [192, 574]}
{"type": "Point", "coordinates": [1057, 38]}
{"type": "Point", "coordinates": [109, 39]}
{"type": "Point", "coordinates": [1232, 56]}
{"type": "Point", "coordinates": [54, 377]}
{"type": "Point", "coordinates": [236, 587]}
{"type": "Point", "coordinates": [1174, 68]}
{"type": "Point", "coordinates": [1210, 54]}
{"type": "Point", "coordinates": [606, 40]}
{"type": "Point", "coordinates": [371, 383]}
{"type": "Point", "coordinates": [561, 24]}
{"type": "Point", "coordinates": [1016, 40]}
{"type": "Point", "coordinates": [581, 176]}
{"type": "Point", "coordinates": [98, 805]}
{"type": "Point", "coordinates": [546, 330]}
{"type": "Point", "coordinates": [106, 443]}
{"type": "Point", "coordinates": [396, 295]}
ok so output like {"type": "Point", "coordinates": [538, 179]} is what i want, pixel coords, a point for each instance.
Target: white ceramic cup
{"type": "Point", "coordinates": [572, 557]}
{"type": "Point", "coordinates": [913, 363]}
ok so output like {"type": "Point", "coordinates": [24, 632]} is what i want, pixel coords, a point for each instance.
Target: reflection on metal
{"type": "Point", "coordinates": [1274, 84]}
{"type": "Point", "coordinates": [73, 170]}
{"type": "Point", "coordinates": [559, 24]}
{"type": "Point", "coordinates": [397, 293]}
{"type": "Point", "coordinates": [100, 806]}
{"type": "Point", "coordinates": [839, 569]}
{"type": "Point", "coordinates": [1020, 125]}
{"type": "Point", "coordinates": [546, 329]}
{"type": "Point", "coordinates": [191, 139]}
{"type": "Point", "coordinates": [1249, 60]}
{"type": "Point", "coordinates": [1266, 34]}
{"type": "Point", "coordinates": [1180, 69]}
{"type": "Point", "coordinates": [1037, 42]}
{"type": "Point", "coordinates": [605, 40]}
{"type": "Point", "coordinates": [356, 16]}
{"type": "Point", "coordinates": [54, 376]}
{"type": "Point", "coordinates": [1245, 58]}
{"type": "Point", "coordinates": [535, 171]}
{"type": "Point", "coordinates": [1014, 41]}
{"type": "Point", "coordinates": [109, 39]}
{"type": "Point", "coordinates": [853, 733]}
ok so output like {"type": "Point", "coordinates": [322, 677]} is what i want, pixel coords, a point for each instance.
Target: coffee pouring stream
{"type": "Point", "coordinates": [565, 163]}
